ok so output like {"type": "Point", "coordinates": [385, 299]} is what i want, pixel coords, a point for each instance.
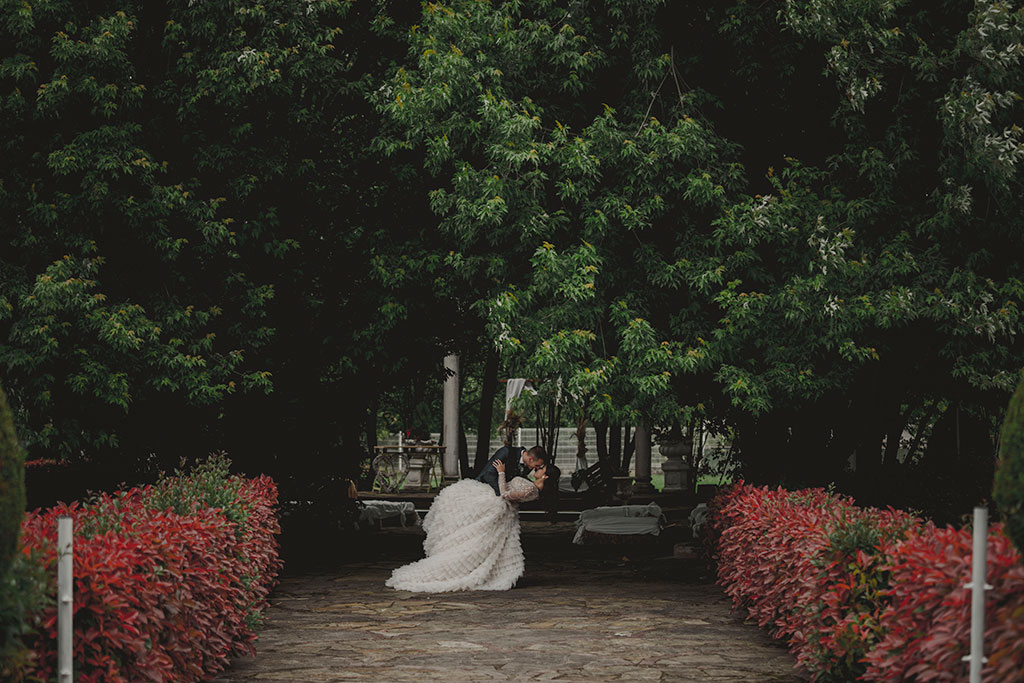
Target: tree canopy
{"type": "Point", "coordinates": [801, 220]}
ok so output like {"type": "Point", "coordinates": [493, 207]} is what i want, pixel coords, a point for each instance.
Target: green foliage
{"type": "Point", "coordinates": [1008, 488]}
{"type": "Point", "coordinates": [621, 246]}
{"type": "Point", "coordinates": [208, 484]}
{"type": "Point", "coordinates": [23, 594]}
{"type": "Point", "coordinates": [12, 487]}
{"type": "Point", "coordinates": [193, 217]}
{"type": "Point", "coordinates": [863, 532]}
{"type": "Point", "coordinates": [801, 222]}
{"type": "Point", "coordinates": [21, 588]}
{"type": "Point", "coordinates": [550, 193]}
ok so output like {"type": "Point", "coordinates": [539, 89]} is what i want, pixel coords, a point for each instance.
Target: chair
{"type": "Point", "coordinates": [597, 477]}
{"type": "Point", "coordinates": [389, 472]}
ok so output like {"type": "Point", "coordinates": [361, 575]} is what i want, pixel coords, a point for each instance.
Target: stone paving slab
{"type": "Point", "coordinates": [579, 614]}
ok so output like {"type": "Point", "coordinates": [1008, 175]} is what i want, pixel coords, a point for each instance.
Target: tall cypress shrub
{"type": "Point", "coordinates": [12, 486]}
{"type": "Point", "coordinates": [1008, 489]}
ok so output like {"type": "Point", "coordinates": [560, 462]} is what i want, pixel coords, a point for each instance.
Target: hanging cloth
{"type": "Point", "coordinates": [513, 388]}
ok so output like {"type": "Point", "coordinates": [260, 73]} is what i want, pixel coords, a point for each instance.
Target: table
{"type": "Point", "coordinates": [416, 467]}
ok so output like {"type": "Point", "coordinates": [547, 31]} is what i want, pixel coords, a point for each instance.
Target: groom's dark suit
{"type": "Point", "coordinates": [510, 455]}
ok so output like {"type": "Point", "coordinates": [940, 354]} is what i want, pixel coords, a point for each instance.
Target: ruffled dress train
{"type": "Point", "coordinates": [472, 543]}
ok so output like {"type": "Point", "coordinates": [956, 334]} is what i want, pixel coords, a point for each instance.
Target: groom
{"type": "Point", "coordinates": [518, 463]}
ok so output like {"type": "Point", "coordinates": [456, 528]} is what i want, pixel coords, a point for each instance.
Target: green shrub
{"type": "Point", "coordinates": [1008, 489]}
{"type": "Point", "coordinates": [23, 596]}
{"type": "Point", "coordinates": [12, 486]}
{"type": "Point", "coordinates": [208, 484]}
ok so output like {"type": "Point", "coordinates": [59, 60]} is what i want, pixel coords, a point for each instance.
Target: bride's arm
{"type": "Point", "coordinates": [519, 490]}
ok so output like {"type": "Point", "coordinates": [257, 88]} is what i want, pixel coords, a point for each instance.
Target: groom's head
{"type": "Point", "coordinates": [535, 457]}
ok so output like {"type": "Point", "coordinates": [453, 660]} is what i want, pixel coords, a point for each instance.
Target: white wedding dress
{"type": "Point", "coordinates": [472, 539]}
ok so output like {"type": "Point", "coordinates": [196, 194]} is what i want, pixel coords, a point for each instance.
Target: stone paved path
{"type": "Point", "coordinates": [579, 614]}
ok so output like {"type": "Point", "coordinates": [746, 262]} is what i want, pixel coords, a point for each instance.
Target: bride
{"type": "Point", "coordinates": [472, 537]}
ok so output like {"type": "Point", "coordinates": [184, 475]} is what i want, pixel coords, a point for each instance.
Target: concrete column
{"type": "Point", "coordinates": [450, 430]}
{"type": "Point", "coordinates": [642, 455]}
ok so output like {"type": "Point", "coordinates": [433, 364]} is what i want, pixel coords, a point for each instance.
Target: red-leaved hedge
{"type": "Point", "coordinates": [158, 596]}
{"type": "Point", "coordinates": [863, 593]}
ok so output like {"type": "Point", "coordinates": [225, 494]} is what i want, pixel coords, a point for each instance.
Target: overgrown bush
{"type": "Point", "coordinates": [19, 594]}
{"type": "Point", "coordinates": [858, 592]}
{"type": "Point", "coordinates": [1008, 488]}
{"type": "Point", "coordinates": [208, 484]}
{"type": "Point", "coordinates": [23, 596]}
{"type": "Point", "coordinates": [12, 486]}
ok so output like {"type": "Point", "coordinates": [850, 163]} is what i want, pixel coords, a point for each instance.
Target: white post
{"type": "Point", "coordinates": [451, 418]}
{"type": "Point", "coordinates": [978, 587]}
{"type": "Point", "coordinates": [65, 589]}
{"type": "Point", "coordinates": [399, 440]}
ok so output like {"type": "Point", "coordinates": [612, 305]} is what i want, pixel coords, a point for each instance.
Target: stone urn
{"type": "Point", "coordinates": [675, 466]}
{"type": "Point", "coordinates": [419, 465]}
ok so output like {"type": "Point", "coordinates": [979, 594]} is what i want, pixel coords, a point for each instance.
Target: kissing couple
{"type": "Point", "coordinates": [472, 527]}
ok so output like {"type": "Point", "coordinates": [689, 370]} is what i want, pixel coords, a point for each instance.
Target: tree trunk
{"type": "Point", "coordinates": [556, 421]}
{"type": "Point", "coordinates": [615, 446]}
{"type": "Point", "coordinates": [371, 423]}
{"type": "Point", "coordinates": [601, 434]}
{"type": "Point", "coordinates": [922, 427]}
{"type": "Point", "coordinates": [628, 449]}
{"type": "Point", "coordinates": [352, 424]}
{"type": "Point", "coordinates": [893, 438]}
{"type": "Point", "coordinates": [581, 438]}
{"type": "Point", "coordinates": [463, 444]}
{"type": "Point", "coordinates": [464, 471]}
{"type": "Point", "coordinates": [488, 390]}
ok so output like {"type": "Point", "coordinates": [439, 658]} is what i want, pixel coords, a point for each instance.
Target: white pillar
{"type": "Point", "coordinates": [65, 597]}
{"type": "Point", "coordinates": [978, 586]}
{"type": "Point", "coordinates": [642, 455]}
{"type": "Point", "coordinates": [451, 418]}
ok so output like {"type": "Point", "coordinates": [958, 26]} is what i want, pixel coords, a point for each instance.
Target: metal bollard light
{"type": "Point", "coordinates": [978, 587]}
{"type": "Point", "coordinates": [65, 589]}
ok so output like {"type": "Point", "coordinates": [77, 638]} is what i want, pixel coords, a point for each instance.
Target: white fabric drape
{"type": "Point", "coordinates": [513, 388]}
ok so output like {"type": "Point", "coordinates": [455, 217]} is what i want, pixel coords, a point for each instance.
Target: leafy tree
{"type": "Point", "coordinates": [888, 280]}
{"type": "Point", "coordinates": [549, 196]}
{"type": "Point", "coordinates": [12, 486]}
{"type": "Point", "coordinates": [201, 237]}
{"type": "Point", "coordinates": [872, 278]}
